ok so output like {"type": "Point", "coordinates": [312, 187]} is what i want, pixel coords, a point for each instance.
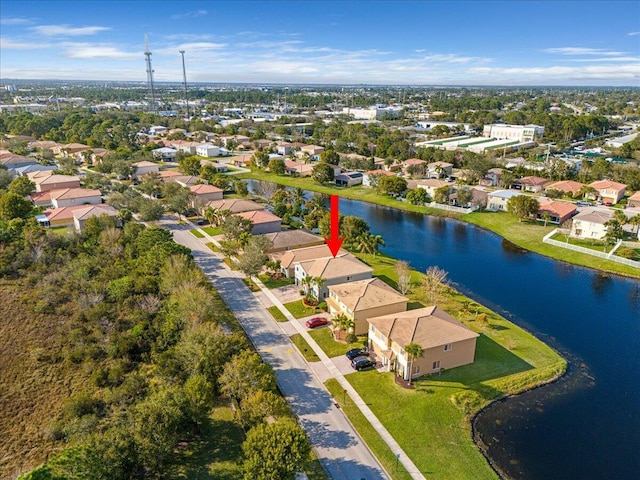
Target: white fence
{"type": "Point", "coordinates": [607, 256]}
{"type": "Point", "coordinates": [451, 208]}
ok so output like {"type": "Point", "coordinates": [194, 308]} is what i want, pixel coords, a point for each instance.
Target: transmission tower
{"type": "Point", "coordinates": [147, 54]}
{"type": "Point", "coordinates": [184, 76]}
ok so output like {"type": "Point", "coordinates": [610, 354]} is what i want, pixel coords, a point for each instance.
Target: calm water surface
{"type": "Point", "coordinates": [584, 427]}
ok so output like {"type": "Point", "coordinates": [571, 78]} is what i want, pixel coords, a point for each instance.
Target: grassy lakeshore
{"type": "Point", "coordinates": [432, 422]}
{"type": "Point", "coordinates": [527, 235]}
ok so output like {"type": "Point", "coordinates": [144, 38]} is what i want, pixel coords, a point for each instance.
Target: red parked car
{"type": "Point", "coordinates": [316, 322]}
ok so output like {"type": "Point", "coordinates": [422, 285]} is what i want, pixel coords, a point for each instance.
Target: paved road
{"type": "Point", "coordinates": [340, 450]}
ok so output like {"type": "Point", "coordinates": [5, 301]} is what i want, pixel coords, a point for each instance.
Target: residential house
{"type": "Point", "coordinates": [370, 179]}
{"type": "Point", "coordinates": [567, 187]}
{"type": "Point", "coordinates": [439, 169]}
{"type": "Point", "coordinates": [71, 150]}
{"type": "Point", "coordinates": [235, 205]}
{"type": "Point", "coordinates": [348, 179]}
{"type": "Point", "coordinates": [492, 178]}
{"type": "Point", "coordinates": [165, 154]}
{"type": "Point", "coordinates": [283, 148]}
{"type": "Point", "coordinates": [12, 161]}
{"type": "Point", "coordinates": [608, 191]}
{"type": "Point", "coordinates": [414, 166]}
{"type": "Point", "coordinates": [590, 224]}
{"type": "Point", "coordinates": [97, 155]}
{"type": "Point", "coordinates": [446, 343]}
{"type": "Point", "coordinates": [24, 171]}
{"type": "Point", "coordinates": [167, 175]}
{"type": "Point", "coordinates": [219, 167]}
{"type": "Point", "coordinates": [81, 215]}
{"type": "Point", "coordinates": [57, 217]}
{"type": "Point", "coordinates": [190, 148]}
{"type": "Point", "coordinates": [285, 240]}
{"type": "Point", "coordinates": [332, 270]}
{"type": "Point", "coordinates": [559, 212]}
{"type": "Point", "coordinates": [313, 151]}
{"type": "Point", "coordinates": [143, 167]}
{"type": "Point", "coordinates": [498, 200]}
{"type": "Point", "coordinates": [634, 200]}
{"type": "Point", "coordinates": [70, 197]}
{"type": "Point", "coordinates": [205, 193]}
{"type": "Point", "coordinates": [263, 221]}
{"type": "Point", "coordinates": [530, 184]}
{"type": "Point", "coordinates": [157, 130]}
{"type": "Point", "coordinates": [289, 258]}
{"type": "Point", "coordinates": [364, 299]}
{"type": "Point", "coordinates": [432, 184]}
{"type": "Point", "coordinates": [184, 180]}
{"type": "Point", "coordinates": [242, 161]}
{"type": "Point", "coordinates": [207, 150]}
{"type": "Point", "coordinates": [298, 168]}
{"type": "Point", "coordinates": [55, 182]}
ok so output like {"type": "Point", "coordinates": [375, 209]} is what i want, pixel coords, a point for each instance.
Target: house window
{"type": "Point", "coordinates": [348, 278]}
{"type": "Point", "coordinates": [447, 347]}
{"type": "Point", "coordinates": [416, 369]}
{"type": "Point", "coordinates": [436, 365]}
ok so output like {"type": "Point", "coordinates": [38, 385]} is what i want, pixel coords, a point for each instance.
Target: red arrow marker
{"type": "Point", "coordinates": [334, 242]}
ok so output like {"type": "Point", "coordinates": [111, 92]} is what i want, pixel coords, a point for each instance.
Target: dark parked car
{"type": "Point", "coordinates": [316, 322]}
{"type": "Point", "coordinates": [356, 352]}
{"type": "Point", "coordinates": [362, 363]}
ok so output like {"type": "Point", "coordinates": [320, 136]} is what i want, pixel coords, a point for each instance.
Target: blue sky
{"type": "Point", "coordinates": [470, 42]}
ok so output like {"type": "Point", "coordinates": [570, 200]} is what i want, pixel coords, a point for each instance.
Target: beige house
{"type": "Point", "coordinates": [446, 343]}
{"type": "Point", "coordinates": [70, 197]}
{"type": "Point", "coordinates": [341, 269]}
{"type": "Point", "coordinates": [263, 221]}
{"type": "Point", "coordinates": [530, 184]}
{"type": "Point", "coordinates": [298, 168]}
{"type": "Point", "coordinates": [289, 258]}
{"type": "Point", "coordinates": [590, 224]}
{"type": "Point", "coordinates": [634, 200]}
{"type": "Point", "coordinates": [439, 169]}
{"type": "Point", "coordinates": [57, 217]}
{"type": "Point", "coordinates": [205, 193]}
{"type": "Point", "coordinates": [235, 205]}
{"type": "Point", "coordinates": [608, 191]}
{"type": "Point", "coordinates": [81, 215]}
{"type": "Point", "coordinates": [364, 299]}
{"type": "Point", "coordinates": [433, 184]}
{"type": "Point", "coordinates": [55, 182]}
{"type": "Point", "coordinates": [565, 186]}
{"type": "Point", "coordinates": [144, 167]}
{"type": "Point", "coordinates": [292, 239]}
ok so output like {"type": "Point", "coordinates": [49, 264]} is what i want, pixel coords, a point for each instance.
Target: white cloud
{"type": "Point", "coordinates": [582, 51]}
{"type": "Point", "coordinates": [100, 51]}
{"type": "Point", "coordinates": [15, 21]}
{"type": "Point", "coordinates": [67, 31]}
{"type": "Point", "coordinates": [192, 14]}
{"type": "Point", "coordinates": [8, 44]}
{"type": "Point", "coordinates": [190, 37]}
{"type": "Point", "coordinates": [605, 59]}
{"type": "Point", "coordinates": [633, 34]}
{"type": "Point", "coordinates": [610, 72]}
{"type": "Point", "coordinates": [453, 58]}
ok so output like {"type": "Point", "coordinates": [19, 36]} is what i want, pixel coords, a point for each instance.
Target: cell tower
{"type": "Point", "coordinates": [147, 54]}
{"type": "Point", "coordinates": [184, 76]}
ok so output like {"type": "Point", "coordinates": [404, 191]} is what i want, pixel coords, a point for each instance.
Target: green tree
{"type": "Point", "coordinates": [417, 196]}
{"type": "Point", "coordinates": [254, 255]}
{"type": "Point", "coordinates": [200, 397]}
{"type": "Point", "coordinates": [277, 166]}
{"type": "Point", "coordinates": [149, 210]}
{"type": "Point", "coordinates": [614, 232]}
{"type": "Point", "coordinates": [275, 451]}
{"type": "Point", "coordinates": [322, 173]}
{"type": "Point", "coordinates": [464, 196]}
{"type": "Point", "coordinates": [13, 206]}
{"type": "Point", "coordinates": [330, 156]}
{"type": "Point", "coordinates": [414, 351]}
{"type": "Point", "coordinates": [260, 407]}
{"type": "Point", "coordinates": [244, 374]}
{"type": "Point", "coordinates": [441, 195]}
{"type": "Point", "coordinates": [234, 226]}
{"type": "Point", "coordinates": [190, 166]}
{"type": "Point", "coordinates": [22, 186]}
{"type": "Point", "coordinates": [523, 206]}
{"type": "Point", "coordinates": [241, 188]}
{"type": "Point", "coordinates": [391, 185]}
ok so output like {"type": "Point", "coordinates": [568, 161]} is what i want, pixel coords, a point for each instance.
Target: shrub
{"type": "Point", "coordinates": [351, 338]}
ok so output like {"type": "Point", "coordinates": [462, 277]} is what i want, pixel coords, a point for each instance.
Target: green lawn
{"type": "Point", "coordinates": [331, 347]}
{"type": "Point", "coordinates": [251, 284]}
{"type": "Point", "coordinates": [212, 231]}
{"type": "Point", "coordinates": [196, 233]}
{"type": "Point", "coordinates": [304, 348]}
{"type": "Point", "coordinates": [277, 314]}
{"type": "Point", "coordinates": [212, 247]}
{"type": "Point", "coordinates": [270, 283]}
{"type": "Point", "coordinates": [300, 310]}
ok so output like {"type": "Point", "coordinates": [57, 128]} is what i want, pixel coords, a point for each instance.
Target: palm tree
{"type": "Point", "coordinates": [635, 220]}
{"type": "Point", "coordinates": [211, 214]}
{"type": "Point", "coordinates": [319, 282]}
{"type": "Point", "coordinates": [586, 190]}
{"type": "Point", "coordinates": [546, 216]}
{"type": "Point", "coordinates": [340, 323]}
{"type": "Point", "coordinates": [368, 243]}
{"type": "Point", "coordinates": [413, 351]}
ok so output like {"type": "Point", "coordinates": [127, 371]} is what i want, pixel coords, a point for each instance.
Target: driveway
{"type": "Point", "coordinates": [288, 293]}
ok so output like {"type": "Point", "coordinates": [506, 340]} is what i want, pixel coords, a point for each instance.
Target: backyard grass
{"type": "Point", "coordinates": [508, 360]}
{"type": "Point", "coordinates": [271, 283]}
{"type": "Point", "coordinates": [196, 233]}
{"type": "Point", "coordinates": [331, 347]}
{"type": "Point", "coordinates": [304, 348]}
{"type": "Point", "coordinates": [277, 314]}
{"type": "Point", "coordinates": [527, 235]}
{"type": "Point", "coordinates": [300, 310]}
{"type": "Point", "coordinates": [251, 284]}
